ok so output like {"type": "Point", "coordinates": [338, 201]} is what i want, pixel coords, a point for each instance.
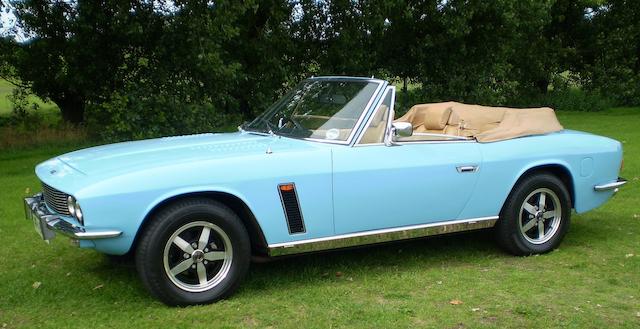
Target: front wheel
{"type": "Point", "coordinates": [535, 217]}
{"type": "Point", "coordinates": [195, 251]}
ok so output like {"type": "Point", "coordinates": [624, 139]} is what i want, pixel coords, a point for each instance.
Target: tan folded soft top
{"type": "Point", "coordinates": [484, 123]}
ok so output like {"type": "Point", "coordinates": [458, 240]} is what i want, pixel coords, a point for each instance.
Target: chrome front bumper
{"type": "Point", "coordinates": [611, 186]}
{"type": "Point", "coordinates": [47, 224]}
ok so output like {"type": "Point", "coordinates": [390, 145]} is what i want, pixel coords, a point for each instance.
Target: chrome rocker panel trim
{"type": "Point", "coordinates": [50, 223]}
{"type": "Point", "coordinates": [611, 186]}
{"type": "Point", "coordinates": [378, 236]}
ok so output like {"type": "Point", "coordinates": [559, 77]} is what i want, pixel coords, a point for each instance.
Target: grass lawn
{"type": "Point", "coordinates": [592, 281]}
{"type": "Point", "coordinates": [5, 90]}
{"type": "Point", "coordinates": [48, 109]}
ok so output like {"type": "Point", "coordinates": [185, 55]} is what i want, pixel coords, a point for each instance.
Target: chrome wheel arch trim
{"type": "Point", "coordinates": [378, 236]}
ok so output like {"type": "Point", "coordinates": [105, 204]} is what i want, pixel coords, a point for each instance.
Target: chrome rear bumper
{"type": "Point", "coordinates": [47, 224]}
{"type": "Point", "coordinates": [611, 186]}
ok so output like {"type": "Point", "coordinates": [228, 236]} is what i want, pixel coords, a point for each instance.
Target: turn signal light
{"type": "Point", "coordinates": [286, 187]}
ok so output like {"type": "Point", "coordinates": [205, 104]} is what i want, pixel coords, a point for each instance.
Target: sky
{"type": "Point", "coordinates": [8, 21]}
{"type": "Point", "coordinates": [6, 16]}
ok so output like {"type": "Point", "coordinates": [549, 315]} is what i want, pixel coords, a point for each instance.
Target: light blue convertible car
{"type": "Point", "coordinates": [325, 167]}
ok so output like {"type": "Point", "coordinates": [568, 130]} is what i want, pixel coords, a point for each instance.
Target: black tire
{"type": "Point", "coordinates": [156, 257]}
{"type": "Point", "coordinates": [514, 231]}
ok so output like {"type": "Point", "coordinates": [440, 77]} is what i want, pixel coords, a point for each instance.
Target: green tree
{"type": "Point", "coordinates": [465, 51]}
{"type": "Point", "coordinates": [76, 49]}
{"type": "Point", "coordinates": [612, 52]}
{"type": "Point", "coordinates": [221, 55]}
{"type": "Point", "coordinates": [268, 58]}
{"type": "Point", "coordinates": [145, 68]}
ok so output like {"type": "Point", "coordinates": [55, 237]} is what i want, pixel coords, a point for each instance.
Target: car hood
{"type": "Point", "coordinates": [146, 154]}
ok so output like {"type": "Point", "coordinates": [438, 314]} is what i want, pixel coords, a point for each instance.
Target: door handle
{"type": "Point", "coordinates": [463, 169]}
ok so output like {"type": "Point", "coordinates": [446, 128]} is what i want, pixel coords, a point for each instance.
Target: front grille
{"type": "Point", "coordinates": [56, 200]}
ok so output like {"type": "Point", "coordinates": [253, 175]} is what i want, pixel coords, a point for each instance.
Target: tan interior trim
{"type": "Point", "coordinates": [484, 123]}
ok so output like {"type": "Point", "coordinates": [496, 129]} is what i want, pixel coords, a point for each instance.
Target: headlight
{"type": "Point", "coordinates": [78, 214]}
{"type": "Point", "coordinates": [71, 205]}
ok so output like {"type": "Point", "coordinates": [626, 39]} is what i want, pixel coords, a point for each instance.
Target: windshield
{"type": "Point", "coordinates": [319, 109]}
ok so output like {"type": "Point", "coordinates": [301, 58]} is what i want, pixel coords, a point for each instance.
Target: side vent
{"type": "Point", "coordinates": [291, 206]}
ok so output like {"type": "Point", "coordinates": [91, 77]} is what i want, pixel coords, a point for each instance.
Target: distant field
{"type": "Point", "coordinates": [5, 104]}
{"type": "Point", "coordinates": [5, 90]}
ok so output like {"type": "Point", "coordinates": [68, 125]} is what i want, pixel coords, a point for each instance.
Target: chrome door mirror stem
{"type": "Point", "coordinates": [389, 131]}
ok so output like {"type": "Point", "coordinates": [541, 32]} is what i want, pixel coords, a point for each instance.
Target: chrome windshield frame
{"type": "Point", "coordinates": [368, 108]}
{"type": "Point", "coordinates": [388, 89]}
{"type": "Point", "coordinates": [381, 84]}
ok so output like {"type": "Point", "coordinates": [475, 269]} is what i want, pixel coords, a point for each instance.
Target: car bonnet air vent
{"type": "Point", "coordinates": [291, 206]}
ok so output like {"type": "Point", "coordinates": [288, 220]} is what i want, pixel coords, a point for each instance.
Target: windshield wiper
{"type": "Point", "coordinates": [251, 129]}
{"type": "Point", "coordinates": [270, 127]}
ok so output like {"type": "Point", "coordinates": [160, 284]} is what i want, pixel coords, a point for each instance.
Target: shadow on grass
{"type": "Point", "coordinates": [382, 260]}
{"type": "Point", "coordinates": [448, 250]}
{"type": "Point", "coordinates": [454, 251]}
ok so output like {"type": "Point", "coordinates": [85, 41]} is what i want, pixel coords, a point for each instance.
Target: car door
{"type": "Point", "coordinates": [376, 186]}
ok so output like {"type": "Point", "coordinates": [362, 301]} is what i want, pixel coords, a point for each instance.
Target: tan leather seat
{"type": "Point", "coordinates": [422, 129]}
{"type": "Point", "coordinates": [484, 123]}
{"type": "Point", "coordinates": [428, 118]}
{"type": "Point", "coordinates": [416, 114]}
{"type": "Point", "coordinates": [470, 120]}
{"type": "Point", "coordinates": [375, 132]}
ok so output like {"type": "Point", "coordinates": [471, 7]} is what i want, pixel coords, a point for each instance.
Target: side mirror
{"type": "Point", "coordinates": [402, 129]}
{"type": "Point", "coordinates": [398, 129]}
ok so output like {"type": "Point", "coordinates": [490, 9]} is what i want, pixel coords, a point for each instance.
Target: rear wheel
{"type": "Point", "coordinates": [536, 216]}
{"type": "Point", "coordinates": [195, 251]}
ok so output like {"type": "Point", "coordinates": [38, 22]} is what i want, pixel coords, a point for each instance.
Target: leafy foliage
{"type": "Point", "coordinates": [568, 99]}
{"type": "Point", "coordinates": [22, 107]}
{"type": "Point", "coordinates": [135, 116]}
{"type": "Point", "coordinates": [146, 68]}
{"type": "Point", "coordinates": [612, 63]}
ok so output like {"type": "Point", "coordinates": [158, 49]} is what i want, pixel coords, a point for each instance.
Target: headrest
{"type": "Point", "coordinates": [416, 114]}
{"type": "Point", "coordinates": [436, 117]}
{"type": "Point", "coordinates": [475, 115]}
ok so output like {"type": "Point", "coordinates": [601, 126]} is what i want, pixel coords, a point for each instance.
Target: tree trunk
{"type": "Point", "coordinates": [72, 108]}
{"type": "Point", "coordinates": [542, 85]}
{"type": "Point", "coordinates": [405, 94]}
{"type": "Point", "coordinates": [245, 110]}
